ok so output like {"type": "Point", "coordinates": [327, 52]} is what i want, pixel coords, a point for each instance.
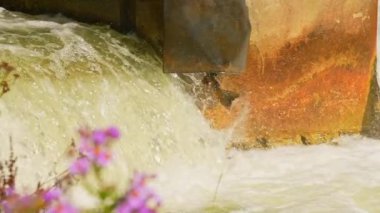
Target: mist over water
{"type": "Point", "coordinates": [74, 75]}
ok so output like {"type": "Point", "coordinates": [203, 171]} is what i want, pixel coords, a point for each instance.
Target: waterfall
{"type": "Point", "coordinates": [73, 74]}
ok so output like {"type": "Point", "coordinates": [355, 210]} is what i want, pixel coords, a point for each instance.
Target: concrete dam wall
{"type": "Point", "coordinates": [199, 36]}
{"type": "Point", "coordinates": [304, 69]}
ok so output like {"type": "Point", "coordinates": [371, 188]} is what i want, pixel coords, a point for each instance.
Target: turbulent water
{"type": "Point", "coordinates": [74, 75]}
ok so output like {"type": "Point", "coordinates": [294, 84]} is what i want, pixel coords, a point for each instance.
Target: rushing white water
{"type": "Point", "coordinates": [74, 75]}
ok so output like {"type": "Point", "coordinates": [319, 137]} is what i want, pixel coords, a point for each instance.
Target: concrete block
{"type": "Point", "coordinates": [308, 75]}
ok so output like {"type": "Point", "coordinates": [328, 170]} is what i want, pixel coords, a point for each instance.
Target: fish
{"type": "Point", "coordinates": [225, 97]}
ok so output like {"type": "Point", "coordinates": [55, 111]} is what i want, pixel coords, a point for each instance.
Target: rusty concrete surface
{"type": "Point", "coordinates": [308, 75]}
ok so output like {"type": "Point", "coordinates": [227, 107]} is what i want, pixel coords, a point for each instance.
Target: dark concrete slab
{"type": "Point", "coordinates": [371, 122]}
{"type": "Point", "coordinates": [206, 36]}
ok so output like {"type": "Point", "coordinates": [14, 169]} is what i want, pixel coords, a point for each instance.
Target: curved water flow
{"type": "Point", "coordinates": [74, 74]}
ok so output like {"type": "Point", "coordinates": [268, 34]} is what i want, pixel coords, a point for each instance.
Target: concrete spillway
{"type": "Point", "coordinates": [73, 74]}
{"type": "Point", "coordinates": [309, 63]}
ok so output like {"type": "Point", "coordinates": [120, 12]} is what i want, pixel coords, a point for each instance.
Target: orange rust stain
{"type": "Point", "coordinates": [317, 83]}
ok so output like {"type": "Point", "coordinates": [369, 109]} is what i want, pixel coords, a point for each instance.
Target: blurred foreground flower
{"type": "Point", "coordinates": [94, 149]}
{"type": "Point", "coordinates": [62, 207]}
{"type": "Point", "coordinates": [93, 155]}
{"type": "Point", "coordinates": [139, 198]}
{"type": "Point", "coordinates": [80, 167]}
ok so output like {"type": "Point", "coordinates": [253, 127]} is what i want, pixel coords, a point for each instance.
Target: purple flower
{"type": "Point", "coordinates": [62, 208]}
{"type": "Point", "coordinates": [9, 191]}
{"type": "Point", "coordinates": [99, 155]}
{"type": "Point", "coordinates": [80, 167]}
{"type": "Point", "coordinates": [124, 207]}
{"type": "Point", "coordinates": [140, 179]}
{"type": "Point", "coordinates": [139, 198]}
{"type": "Point", "coordinates": [99, 137]}
{"type": "Point", "coordinates": [113, 132]}
{"type": "Point", "coordinates": [146, 209]}
{"type": "Point", "coordinates": [52, 195]}
{"type": "Point", "coordinates": [102, 158]}
{"type": "Point", "coordinates": [6, 207]}
{"type": "Point", "coordinates": [26, 200]}
{"type": "Point", "coordinates": [85, 148]}
{"type": "Point", "coordinates": [133, 204]}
